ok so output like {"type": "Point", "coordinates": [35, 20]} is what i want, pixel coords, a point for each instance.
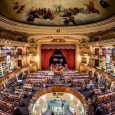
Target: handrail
{"type": "Point", "coordinates": [7, 76]}
{"type": "Point", "coordinates": [108, 76]}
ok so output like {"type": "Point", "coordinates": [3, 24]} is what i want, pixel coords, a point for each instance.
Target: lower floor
{"type": "Point", "coordinates": [22, 97]}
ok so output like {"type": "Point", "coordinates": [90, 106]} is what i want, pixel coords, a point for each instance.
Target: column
{"type": "Point", "coordinates": [77, 58]}
{"type": "Point", "coordinates": [114, 70]}
{"type": "Point", "coordinates": [39, 56]}
{"type": "Point", "coordinates": [91, 50]}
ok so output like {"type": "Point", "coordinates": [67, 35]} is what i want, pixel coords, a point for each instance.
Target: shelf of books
{"type": "Point", "coordinates": [4, 69]}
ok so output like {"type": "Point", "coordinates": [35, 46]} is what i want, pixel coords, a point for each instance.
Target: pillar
{"type": "Point", "coordinates": [77, 58]}
{"type": "Point", "coordinates": [39, 57]}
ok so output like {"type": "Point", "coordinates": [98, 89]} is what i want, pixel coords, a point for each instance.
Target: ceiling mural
{"type": "Point", "coordinates": [57, 12]}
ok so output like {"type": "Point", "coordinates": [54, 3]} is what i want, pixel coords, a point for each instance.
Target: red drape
{"type": "Point", "coordinates": [46, 54]}
{"type": "Point", "coordinates": [70, 57]}
{"type": "Point", "coordinates": [69, 54]}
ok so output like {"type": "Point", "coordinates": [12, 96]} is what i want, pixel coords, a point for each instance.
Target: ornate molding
{"type": "Point", "coordinates": [106, 42]}
{"type": "Point", "coordinates": [13, 35]}
{"type": "Point", "coordinates": [57, 30]}
{"type": "Point", "coordinates": [102, 35]}
{"type": "Point", "coordinates": [66, 37]}
{"type": "Point", "coordinates": [58, 40]}
{"type": "Point", "coordinates": [58, 46]}
{"type": "Point", "coordinates": [59, 89]}
{"type": "Point", "coordinates": [12, 42]}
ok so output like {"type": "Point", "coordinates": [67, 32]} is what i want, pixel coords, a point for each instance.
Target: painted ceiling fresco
{"type": "Point", "coordinates": [57, 12]}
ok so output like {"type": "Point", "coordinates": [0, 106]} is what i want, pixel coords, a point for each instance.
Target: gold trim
{"type": "Point", "coordinates": [34, 29]}
{"type": "Point", "coordinates": [58, 89]}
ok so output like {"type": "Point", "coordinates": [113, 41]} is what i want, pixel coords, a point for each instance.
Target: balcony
{"type": "Point", "coordinates": [102, 56]}
{"type": "Point", "coordinates": [12, 73]}
{"type": "Point", "coordinates": [110, 76]}
{"type": "Point", "coordinates": [14, 54]}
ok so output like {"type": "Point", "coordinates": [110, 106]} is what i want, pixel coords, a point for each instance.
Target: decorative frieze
{"type": "Point", "coordinates": [58, 46]}
{"type": "Point", "coordinates": [81, 29]}
{"type": "Point", "coordinates": [107, 42]}
{"type": "Point", "coordinates": [102, 35]}
{"type": "Point", "coordinates": [13, 35]}
{"type": "Point", "coordinates": [12, 43]}
{"type": "Point", "coordinates": [58, 40]}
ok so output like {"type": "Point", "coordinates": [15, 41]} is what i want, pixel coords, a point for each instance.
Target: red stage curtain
{"type": "Point", "coordinates": [46, 54]}
{"type": "Point", "coordinates": [69, 54]}
{"type": "Point", "coordinates": [70, 57]}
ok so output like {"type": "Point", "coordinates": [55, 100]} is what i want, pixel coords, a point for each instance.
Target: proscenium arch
{"type": "Point", "coordinates": [42, 42]}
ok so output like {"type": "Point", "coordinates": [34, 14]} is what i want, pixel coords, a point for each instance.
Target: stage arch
{"type": "Point", "coordinates": [68, 51]}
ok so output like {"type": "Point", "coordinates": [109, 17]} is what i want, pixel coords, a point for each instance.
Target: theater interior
{"type": "Point", "coordinates": [57, 57]}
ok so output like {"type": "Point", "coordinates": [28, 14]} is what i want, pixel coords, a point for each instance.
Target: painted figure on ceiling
{"type": "Point", "coordinates": [91, 7]}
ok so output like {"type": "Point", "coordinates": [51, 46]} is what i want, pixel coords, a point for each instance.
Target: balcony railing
{"type": "Point", "coordinates": [110, 76]}
{"type": "Point", "coordinates": [13, 54]}
{"type": "Point", "coordinates": [12, 73]}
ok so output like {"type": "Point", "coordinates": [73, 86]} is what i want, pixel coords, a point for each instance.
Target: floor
{"type": "Point", "coordinates": [65, 107]}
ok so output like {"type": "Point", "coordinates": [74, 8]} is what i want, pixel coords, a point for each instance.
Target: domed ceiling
{"type": "Point", "coordinates": [57, 12]}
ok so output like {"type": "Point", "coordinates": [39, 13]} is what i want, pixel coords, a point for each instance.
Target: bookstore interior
{"type": "Point", "coordinates": [57, 57]}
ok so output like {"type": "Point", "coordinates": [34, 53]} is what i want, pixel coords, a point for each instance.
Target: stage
{"type": "Point", "coordinates": [58, 55]}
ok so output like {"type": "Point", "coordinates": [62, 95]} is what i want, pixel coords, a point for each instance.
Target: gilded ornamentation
{"type": "Point", "coordinates": [83, 29]}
